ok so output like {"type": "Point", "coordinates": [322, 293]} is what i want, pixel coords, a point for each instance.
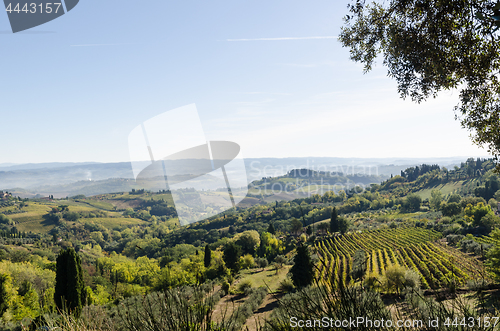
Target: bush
{"type": "Point", "coordinates": [394, 278]}
{"type": "Point", "coordinates": [286, 286]}
{"type": "Point", "coordinates": [245, 287]}
{"type": "Point", "coordinates": [453, 239]}
{"type": "Point", "coordinates": [225, 287]}
{"type": "Point", "coordinates": [412, 279]}
{"type": "Point", "coordinates": [247, 262]}
{"type": "Point", "coordinates": [261, 262]}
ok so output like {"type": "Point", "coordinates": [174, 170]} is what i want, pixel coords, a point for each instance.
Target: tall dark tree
{"type": "Point", "coordinates": [302, 270]}
{"type": "Point", "coordinates": [208, 256]}
{"type": "Point", "coordinates": [334, 221]}
{"type": "Point", "coordinates": [435, 45]}
{"type": "Point", "coordinates": [270, 229]}
{"type": "Point", "coordinates": [69, 291]}
{"type": "Point", "coordinates": [231, 256]}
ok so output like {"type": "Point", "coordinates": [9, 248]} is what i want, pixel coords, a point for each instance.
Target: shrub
{"type": "Point", "coordinates": [245, 287]}
{"type": "Point", "coordinates": [247, 262]}
{"type": "Point", "coordinates": [286, 286]}
{"type": "Point", "coordinates": [412, 279]}
{"type": "Point", "coordinates": [261, 262]}
{"type": "Point", "coordinates": [225, 287]}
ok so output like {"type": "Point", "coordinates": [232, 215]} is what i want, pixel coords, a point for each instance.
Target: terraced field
{"type": "Point", "coordinates": [413, 248]}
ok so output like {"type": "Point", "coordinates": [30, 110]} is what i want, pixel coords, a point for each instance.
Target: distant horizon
{"type": "Point", "coordinates": [266, 157]}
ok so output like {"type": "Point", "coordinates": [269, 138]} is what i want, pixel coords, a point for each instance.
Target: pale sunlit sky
{"type": "Point", "coordinates": [268, 75]}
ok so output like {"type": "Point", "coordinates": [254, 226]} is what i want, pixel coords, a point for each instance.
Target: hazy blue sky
{"type": "Point", "coordinates": [74, 88]}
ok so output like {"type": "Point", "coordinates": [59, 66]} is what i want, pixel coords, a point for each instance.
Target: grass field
{"type": "Point", "coordinates": [449, 188]}
{"type": "Point", "coordinates": [268, 278]}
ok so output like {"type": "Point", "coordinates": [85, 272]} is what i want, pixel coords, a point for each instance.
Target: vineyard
{"type": "Point", "coordinates": [413, 248]}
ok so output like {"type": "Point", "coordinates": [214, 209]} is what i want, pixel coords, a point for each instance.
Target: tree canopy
{"type": "Point", "coordinates": [434, 45]}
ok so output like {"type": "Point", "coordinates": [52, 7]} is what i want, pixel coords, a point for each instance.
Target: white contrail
{"type": "Point", "coordinates": [87, 45]}
{"type": "Point", "coordinates": [283, 38]}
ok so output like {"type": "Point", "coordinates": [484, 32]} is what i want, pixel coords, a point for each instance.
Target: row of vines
{"type": "Point", "coordinates": [413, 248]}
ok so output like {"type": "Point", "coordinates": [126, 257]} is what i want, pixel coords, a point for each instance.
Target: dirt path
{"type": "Point", "coordinates": [260, 315]}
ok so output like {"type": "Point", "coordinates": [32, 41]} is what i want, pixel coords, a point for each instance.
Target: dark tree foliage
{"type": "Point", "coordinates": [270, 229]}
{"type": "Point", "coordinates": [302, 270]}
{"type": "Point", "coordinates": [4, 293]}
{"type": "Point", "coordinates": [208, 256]}
{"type": "Point", "coordinates": [435, 45]}
{"type": "Point", "coordinates": [359, 264]}
{"type": "Point", "coordinates": [491, 186]}
{"type": "Point", "coordinates": [69, 290]}
{"type": "Point", "coordinates": [231, 256]}
{"type": "Point", "coordinates": [334, 221]}
{"type": "Point", "coordinates": [343, 225]}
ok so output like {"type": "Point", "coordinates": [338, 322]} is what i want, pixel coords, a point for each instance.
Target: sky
{"type": "Point", "coordinates": [268, 75]}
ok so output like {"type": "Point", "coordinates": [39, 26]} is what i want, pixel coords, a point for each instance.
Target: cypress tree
{"type": "Point", "coordinates": [231, 256]}
{"type": "Point", "coordinates": [69, 291]}
{"type": "Point", "coordinates": [303, 268]}
{"type": "Point", "coordinates": [334, 221]}
{"type": "Point", "coordinates": [208, 256]}
{"type": "Point", "coordinates": [270, 229]}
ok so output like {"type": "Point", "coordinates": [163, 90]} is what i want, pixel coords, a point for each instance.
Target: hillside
{"type": "Point", "coordinates": [132, 245]}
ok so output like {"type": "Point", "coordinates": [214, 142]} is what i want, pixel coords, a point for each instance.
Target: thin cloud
{"type": "Point", "coordinates": [284, 38]}
{"type": "Point", "coordinates": [91, 45]}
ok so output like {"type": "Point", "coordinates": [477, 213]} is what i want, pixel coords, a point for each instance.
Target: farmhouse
{"type": "Point", "coordinates": [5, 195]}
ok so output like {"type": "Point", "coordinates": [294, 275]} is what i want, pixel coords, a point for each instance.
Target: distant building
{"type": "Point", "coordinates": [4, 195]}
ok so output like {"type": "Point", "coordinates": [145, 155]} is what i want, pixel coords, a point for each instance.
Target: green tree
{"type": "Point", "coordinates": [231, 256]}
{"type": "Point", "coordinates": [208, 257]}
{"type": "Point", "coordinates": [69, 290]}
{"type": "Point", "coordinates": [436, 199]}
{"type": "Point", "coordinates": [249, 241]}
{"type": "Point", "coordinates": [477, 212]}
{"type": "Point", "coordinates": [435, 45]}
{"type": "Point", "coordinates": [302, 270]}
{"type": "Point", "coordinates": [5, 292]}
{"type": "Point", "coordinates": [296, 226]}
{"type": "Point", "coordinates": [270, 229]}
{"type": "Point", "coordinates": [334, 221]}
{"type": "Point", "coordinates": [451, 209]}
{"type": "Point", "coordinates": [412, 202]}
{"type": "Point", "coordinates": [343, 225]}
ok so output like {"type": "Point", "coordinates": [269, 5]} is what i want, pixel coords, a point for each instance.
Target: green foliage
{"type": "Point", "coordinates": [493, 255]}
{"type": "Point", "coordinates": [344, 225]}
{"type": "Point", "coordinates": [451, 209]}
{"type": "Point", "coordinates": [394, 278]}
{"type": "Point", "coordinates": [69, 290]}
{"type": "Point", "coordinates": [302, 271]}
{"type": "Point", "coordinates": [5, 292]}
{"type": "Point", "coordinates": [248, 241]}
{"type": "Point", "coordinates": [436, 199]}
{"type": "Point", "coordinates": [231, 256]}
{"type": "Point", "coordinates": [245, 287]}
{"type": "Point", "coordinates": [359, 262]}
{"type": "Point", "coordinates": [207, 257]}
{"type": "Point", "coordinates": [270, 229]}
{"type": "Point", "coordinates": [334, 221]}
{"type": "Point", "coordinates": [431, 58]}
{"type": "Point", "coordinates": [477, 212]}
{"type": "Point", "coordinates": [412, 203]}
{"type": "Point", "coordinates": [246, 262]}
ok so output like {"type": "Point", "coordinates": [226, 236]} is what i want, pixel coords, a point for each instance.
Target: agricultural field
{"type": "Point", "coordinates": [413, 248]}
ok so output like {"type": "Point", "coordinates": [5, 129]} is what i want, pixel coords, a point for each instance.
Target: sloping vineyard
{"type": "Point", "coordinates": [413, 248]}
